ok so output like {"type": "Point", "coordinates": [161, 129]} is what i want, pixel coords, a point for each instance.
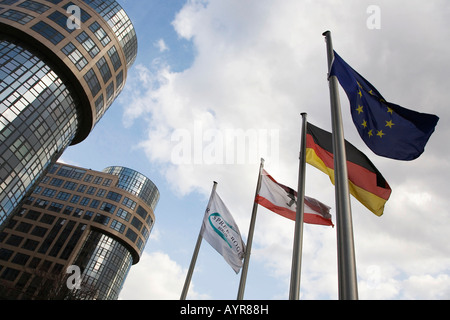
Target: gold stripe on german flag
{"type": "Point", "coordinates": [366, 183]}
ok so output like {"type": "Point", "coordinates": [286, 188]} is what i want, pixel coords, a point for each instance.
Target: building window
{"type": "Point", "coordinates": [45, 180]}
{"type": "Point", "coordinates": [136, 223]}
{"type": "Point", "coordinates": [34, 6]}
{"type": "Point", "coordinates": [95, 204]}
{"type": "Point", "coordinates": [39, 231]}
{"type": "Point", "coordinates": [88, 44]}
{"type": "Point", "coordinates": [85, 201]}
{"type": "Point", "coordinates": [119, 81]}
{"type": "Point", "coordinates": [101, 35]}
{"type": "Point", "coordinates": [30, 245]}
{"type": "Point", "coordinates": [140, 243]}
{"type": "Point", "coordinates": [125, 215]}
{"type": "Point", "coordinates": [73, 242]}
{"type": "Point", "coordinates": [49, 193]}
{"type": "Point", "coordinates": [64, 196]}
{"type": "Point", "coordinates": [11, 224]}
{"type": "Point", "coordinates": [48, 32]}
{"type": "Point", "coordinates": [68, 210]}
{"type": "Point", "coordinates": [78, 212]}
{"type": "Point", "coordinates": [114, 196]}
{"type": "Point", "coordinates": [75, 56]}
{"type": "Point", "coordinates": [115, 59]}
{"type": "Point", "coordinates": [103, 67]}
{"type": "Point", "coordinates": [56, 182]}
{"type": "Point", "coordinates": [88, 215]}
{"type": "Point", "coordinates": [61, 20]}
{"type": "Point", "coordinates": [21, 259]}
{"type": "Point", "coordinates": [145, 232]}
{"type": "Point", "coordinates": [53, 169]}
{"type": "Point", "coordinates": [91, 190]}
{"type": "Point", "coordinates": [101, 193]}
{"type": "Point", "coordinates": [24, 227]}
{"type": "Point", "coordinates": [40, 204]}
{"type": "Point", "coordinates": [99, 106]}
{"type": "Point", "coordinates": [71, 173]}
{"type": "Point", "coordinates": [48, 219]}
{"type": "Point", "coordinates": [5, 254]}
{"type": "Point", "coordinates": [98, 180]}
{"type": "Point", "coordinates": [14, 240]}
{"type": "Point", "coordinates": [55, 207]}
{"type": "Point", "coordinates": [107, 182]}
{"type": "Point", "coordinates": [102, 219]}
{"type": "Point", "coordinates": [92, 81]}
{"type": "Point", "coordinates": [75, 199]}
{"type": "Point", "coordinates": [118, 226]}
{"type": "Point", "coordinates": [34, 215]}
{"type": "Point", "coordinates": [17, 16]}
{"type": "Point", "coordinates": [131, 235]}
{"type": "Point", "coordinates": [129, 203]}
{"type": "Point", "coordinates": [142, 212]}
{"type": "Point", "coordinates": [34, 263]}
{"type": "Point", "coordinates": [70, 185]}
{"type": "Point", "coordinates": [37, 190]}
{"type": "Point", "coordinates": [10, 274]}
{"type": "Point", "coordinates": [108, 207]}
{"type": "Point", "coordinates": [110, 93]}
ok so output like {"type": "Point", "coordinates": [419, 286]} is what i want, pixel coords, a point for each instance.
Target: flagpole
{"type": "Point", "coordinates": [196, 250]}
{"type": "Point", "coordinates": [298, 236]}
{"type": "Point", "coordinates": [348, 286]}
{"type": "Point", "coordinates": [250, 237]}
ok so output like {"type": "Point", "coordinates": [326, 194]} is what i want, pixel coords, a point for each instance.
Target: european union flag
{"type": "Point", "coordinates": [388, 130]}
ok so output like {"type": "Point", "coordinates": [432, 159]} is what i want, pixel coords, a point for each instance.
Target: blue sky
{"type": "Point", "coordinates": [217, 68]}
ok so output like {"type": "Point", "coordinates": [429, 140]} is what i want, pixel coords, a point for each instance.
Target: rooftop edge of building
{"type": "Point", "coordinates": [114, 21]}
{"type": "Point", "coordinates": [136, 183]}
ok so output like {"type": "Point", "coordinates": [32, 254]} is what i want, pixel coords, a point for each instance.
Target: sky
{"type": "Point", "coordinates": [210, 71]}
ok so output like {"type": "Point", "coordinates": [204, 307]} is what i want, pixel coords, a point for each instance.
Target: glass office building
{"type": "Point", "coordinates": [62, 64]}
{"type": "Point", "coordinates": [96, 221]}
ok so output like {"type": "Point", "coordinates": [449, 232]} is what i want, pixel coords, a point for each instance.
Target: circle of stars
{"type": "Point", "coordinates": [360, 110]}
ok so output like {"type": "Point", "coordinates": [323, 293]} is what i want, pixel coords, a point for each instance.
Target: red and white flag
{"type": "Point", "coordinates": [283, 201]}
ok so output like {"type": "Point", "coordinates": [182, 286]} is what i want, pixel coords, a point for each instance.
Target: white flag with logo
{"type": "Point", "coordinates": [222, 233]}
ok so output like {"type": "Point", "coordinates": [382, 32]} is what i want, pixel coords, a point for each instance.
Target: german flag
{"type": "Point", "coordinates": [365, 181]}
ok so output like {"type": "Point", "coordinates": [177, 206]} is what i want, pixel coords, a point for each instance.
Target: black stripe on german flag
{"type": "Point", "coordinates": [366, 183]}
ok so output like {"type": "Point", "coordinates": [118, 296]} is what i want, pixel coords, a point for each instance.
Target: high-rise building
{"type": "Point", "coordinates": [62, 64]}
{"type": "Point", "coordinates": [76, 219]}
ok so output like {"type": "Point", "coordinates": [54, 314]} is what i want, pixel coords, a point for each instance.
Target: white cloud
{"type": "Point", "coordinates": [156, 277]}
{"type": "Point", "coordinates": [427, 287]}
{"type": "Point", "coordinates": [161, 45]}
{"type": "Point", "coordinates": [258, 65]}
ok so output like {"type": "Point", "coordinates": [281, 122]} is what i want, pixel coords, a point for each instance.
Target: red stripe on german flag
{"type": "Point", "coordinates": [365, 181]}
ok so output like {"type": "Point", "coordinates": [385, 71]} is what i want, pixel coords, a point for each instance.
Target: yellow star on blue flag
{"type": "Point", "coordinates": [387, 129]}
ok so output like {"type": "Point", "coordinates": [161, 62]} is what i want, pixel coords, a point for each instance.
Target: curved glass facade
{"type": "Point", "coordinates": [75, 217]}
{"type": "Point", "coordinates": [105, 264]}
{"type": "Point", "coordinates": [38, 120]}
{"type": "Point", "coordinates": [121, 24]}
{"type": "Point", "coordinates": [136, 184]}
{"type": "Point", "coordinates": [56, 82]}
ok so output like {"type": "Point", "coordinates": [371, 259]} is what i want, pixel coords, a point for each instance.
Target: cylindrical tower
{"type": "Point", "coordinates": [62, 64]}
{"type": "Point", "coordinates": [77, 219]}
{"type": "Point", "coordinates": [108, 251]}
